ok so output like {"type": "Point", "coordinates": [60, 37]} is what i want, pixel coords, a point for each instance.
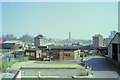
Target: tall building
{"type": "Point", "coordinates": [38, 40]}
{"type": "Point", "coordinates": [69, 35]}
{"type": "Point", "coordinates": [112, 34]}
{"type": "Point", "coordinates": [106, 41]}
{"type": "Point", "coordinates": [98, 40]}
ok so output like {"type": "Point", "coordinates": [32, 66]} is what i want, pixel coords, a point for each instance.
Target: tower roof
{"type": "Point", "coordinates": [97, 35]}
{"type": "Point", "coordinates": [39, 36]}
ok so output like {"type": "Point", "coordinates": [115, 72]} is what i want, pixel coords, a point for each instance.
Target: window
{"type": "Point", "coordinates": [44, 54]}
{"type": "Point", "coordinates": [32, 54]}
{"type": "Point", "coordinates": [27, 53]}
{"type": "Point", "coordinates": [69, 54]}
{"type": "Point", "coordinates": [66, 54]}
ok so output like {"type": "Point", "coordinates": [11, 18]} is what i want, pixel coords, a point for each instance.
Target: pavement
{"type": "Point", "coordinates": [0, 76]}
{"type": "Point", "coordinates": [102, 68]}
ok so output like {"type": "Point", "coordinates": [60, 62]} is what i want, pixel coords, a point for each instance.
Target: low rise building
{"type": "Point", "coordinates": [12, 44]}
{"type": "Point", "coordinates": [54, 54]}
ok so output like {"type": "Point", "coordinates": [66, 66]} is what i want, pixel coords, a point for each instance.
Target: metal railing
{"type": "Point", "coordinates": [14, 78]}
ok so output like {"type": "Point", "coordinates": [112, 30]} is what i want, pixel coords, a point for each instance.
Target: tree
{"type": "Point", "coordinates": [26, 38]}
{"type": "Point", "coordinates": [8, 37]}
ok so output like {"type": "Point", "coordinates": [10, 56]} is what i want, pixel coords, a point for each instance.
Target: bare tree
{"type": "Point", "coordinates": [8, 37]}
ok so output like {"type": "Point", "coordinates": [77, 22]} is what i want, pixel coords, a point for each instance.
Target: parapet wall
{"type": "Point", "coordinates": [114, 62]}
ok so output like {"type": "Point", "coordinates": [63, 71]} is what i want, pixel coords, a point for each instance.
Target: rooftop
{"type": "Point", "coordinates": [39, 36]}
{"type": "Point", "coordinates": [11, 41]}
{"type": "Point", "coordinates": [97, 35]}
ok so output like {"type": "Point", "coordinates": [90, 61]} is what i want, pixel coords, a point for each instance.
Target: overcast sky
{"type": "Point", "coordinates": [57, 19]}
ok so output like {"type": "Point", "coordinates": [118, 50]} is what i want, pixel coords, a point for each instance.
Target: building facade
{"type": "Point", "coordinates": [54, 55]}
{"type": "Point", "coordinates": [114, 48]}
{"type": "Point", "coordinates": [97, 40]}
{"type": "Point", "coordinates": [33, 54]}
{"type": "Point", "coordinates": [38, 40]}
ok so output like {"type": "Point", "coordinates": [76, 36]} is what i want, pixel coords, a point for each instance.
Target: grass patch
{"type": "Point", "coordinates": [22, 61]}
{"type": "Point", "coordinates": [84, 74]}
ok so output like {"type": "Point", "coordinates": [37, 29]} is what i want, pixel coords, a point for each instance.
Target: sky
{"type": "Point", "coordinates": [57, 19]}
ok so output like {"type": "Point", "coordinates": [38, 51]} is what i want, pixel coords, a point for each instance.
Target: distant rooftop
{"type": "Point", "coordinates": [64, 47]}
{"type": "Point", "coordinates": [1, 41]}
{"type": "Point", "coordinates": [11, 41]}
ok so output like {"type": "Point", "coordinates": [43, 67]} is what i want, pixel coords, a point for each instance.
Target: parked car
{"type": "Point", "coordinates": [47, 59]}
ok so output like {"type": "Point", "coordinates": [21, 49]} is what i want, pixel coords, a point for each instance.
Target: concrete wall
{"type": "Point", "coordinates": [76, 54]}
{"type": "Point", "coordinates": [110, 51]}
{"type": "Point", "coordinates": [53, 72]}
{"type": "Point", "coordinates": [114, 62]}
